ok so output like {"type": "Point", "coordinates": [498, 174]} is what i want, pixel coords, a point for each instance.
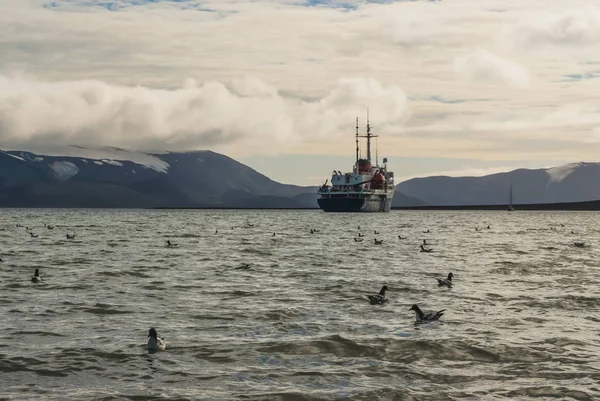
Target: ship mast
{"type": "Point", "coordinates": [368, 136]}
{"type": "Point", "coordinates": [357, 142]}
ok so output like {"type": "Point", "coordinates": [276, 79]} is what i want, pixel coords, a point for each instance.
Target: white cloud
{"type": "Point", "coordinates": [482, 66]}
{"type": "Point", "coordinates": [273, 76]}
{"type": "Point", "coordinates": [193, 116]}
{"type": "Point", "coordinates": [574, 31]}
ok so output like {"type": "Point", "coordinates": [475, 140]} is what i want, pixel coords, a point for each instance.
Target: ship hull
{"type": "Point", "coordinates": [354, 205]}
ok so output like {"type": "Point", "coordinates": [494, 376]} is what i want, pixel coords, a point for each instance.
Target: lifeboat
{"type": "Point", "coordinates": [377, 181]}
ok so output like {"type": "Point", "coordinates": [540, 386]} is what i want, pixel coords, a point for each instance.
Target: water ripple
{"type": "Point", "coordinates": [521, 320]}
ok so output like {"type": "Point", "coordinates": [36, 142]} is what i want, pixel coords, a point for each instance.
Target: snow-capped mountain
{"type": "Point", "coordinates": [111, 177]}
{"type": "Point", "coordinates": [575, 182]}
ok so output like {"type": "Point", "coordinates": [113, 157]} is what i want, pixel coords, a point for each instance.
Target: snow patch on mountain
{"type": "Point", "coordinates": [557, 174]}
{"type": "Point", "coordinates": [16, 157]}
{"type": "Point", "coordinates": [113, 162]}
{"type": "Point", "coordinates": [108, 154]}
{"type": "Point", "coordinates": [64, 170]}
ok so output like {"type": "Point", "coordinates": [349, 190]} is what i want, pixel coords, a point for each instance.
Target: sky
{"type": "Point", "coordinates": [453, 87]}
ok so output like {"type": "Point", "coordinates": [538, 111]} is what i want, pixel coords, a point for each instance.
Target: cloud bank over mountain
{"type": "Point", "coordinates": [195, 115]}
{"type": "Point", "coordinates": [495, 80]}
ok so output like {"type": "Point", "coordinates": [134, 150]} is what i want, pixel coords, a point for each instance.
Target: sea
{"type": "Point", "coordinates": [272, 305]}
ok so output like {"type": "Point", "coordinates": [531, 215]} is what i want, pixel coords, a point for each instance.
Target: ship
{"type": "Point", "coordinates": [367, 188]}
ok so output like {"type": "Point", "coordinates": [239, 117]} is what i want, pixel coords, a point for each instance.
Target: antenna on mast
{"type": "Point", "coordinates": [368, 136]}
{"type": "Point", "coordinates": [357, 141]}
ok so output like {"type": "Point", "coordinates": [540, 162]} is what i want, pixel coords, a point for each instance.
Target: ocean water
{"type": "Point", "coordinates": [522, 320]}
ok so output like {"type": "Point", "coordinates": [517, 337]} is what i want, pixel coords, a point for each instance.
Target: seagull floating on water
{"type": "Point", "coordinates": [400, 237]}
{"type": "Point", "coordinates": [155, 343]}
{"type": "Point", "coordinates": [36, 276]}
{"type": "Point", "coordinates": [426, 317]}
{"type": "Point", "coordinates": [426, 232]}
{"type": "Point", "coordinates": [380, 298]}
{"type": "Point", "coordinates": [579, 244]}
{"type": "Point", "coordinates": [446, 282]}
{"type": "Point", "coordinates": [244, 266]}
{"type": "Point", "coordinates": [359, 239]}
{"type": "Point", "coordinates": [375, 232]}
{"type": "Point", "coordinates": [70, 236]}
{"type": "Point", "coordinates": [170, 244]}
{"type": "Point", "coordinates": [33, 235]}
{"type": "Point", "coordinates": [423, 249]}
{"type": "Point", "coordinates": [378, 242]}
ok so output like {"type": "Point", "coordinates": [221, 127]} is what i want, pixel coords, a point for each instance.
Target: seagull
{"type": "Point", "coordinates": [244, 266]}
{"type": "Point", "coordinates": [36, 276]}
{"type": "Point", "coordinates": [375, 232]}
{"type": "Point", "coordinates": [446, 282]}
{"type": "Point", "coordinates": [426, 317]}
{"type": "Point", "coordinates": [359, 239]}
{"type": "Point", "coordinates": [579, 244]}
{"type": "Point", "coordinates": [360, 235]}
{"type": "Point", "coordinates": [33, 235]}
{"type": "Point", "coordinates": [400, 237]}
{"type": "Point", "coordinates": [170, 244]}
{"type": "Point", "coordinates": [426, 232]}
{"type": "Point", "coordinates": [425, 242]}
{"type": "Point", "coordinates": [155, 343]}
{"type": "Point", "coordinates": [378, 241]}
{"type": "Point", "coordinates": [70, 236]}
{"type": "Point", "coordinates": [423, 249]}
{"type": "Point", "coordinates": [380, 298]}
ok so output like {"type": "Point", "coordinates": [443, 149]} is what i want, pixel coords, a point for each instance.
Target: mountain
{"type": "Point", "coordinates": [575, 182]}
{"type": "Point", "coordinates": [112, 177]}
{"type": "Point", "coordinates": [76, 176]}
{"type": "Point", "coordinates": [402, 200]}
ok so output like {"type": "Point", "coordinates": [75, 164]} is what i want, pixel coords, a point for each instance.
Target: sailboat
{"type": "Point", "coordinates": [510, 200]}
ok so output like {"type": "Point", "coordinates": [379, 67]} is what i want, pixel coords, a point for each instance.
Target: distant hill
{"type": "Point", "coordinates": [74, 176]}
{"type": "Point", "coordinates": [111, 177]}
{"type": "Point", "coordinates": [576, 182]}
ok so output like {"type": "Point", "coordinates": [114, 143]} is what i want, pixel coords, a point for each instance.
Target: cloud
{"type": "Point", "coordinates": [280, 76]}
{"type": "Point", "coordinates": [482, 66]}
{"type": "Point", "coordinates": [573, 31]}
{"type": "Point", "coordinates": [250, 113]}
